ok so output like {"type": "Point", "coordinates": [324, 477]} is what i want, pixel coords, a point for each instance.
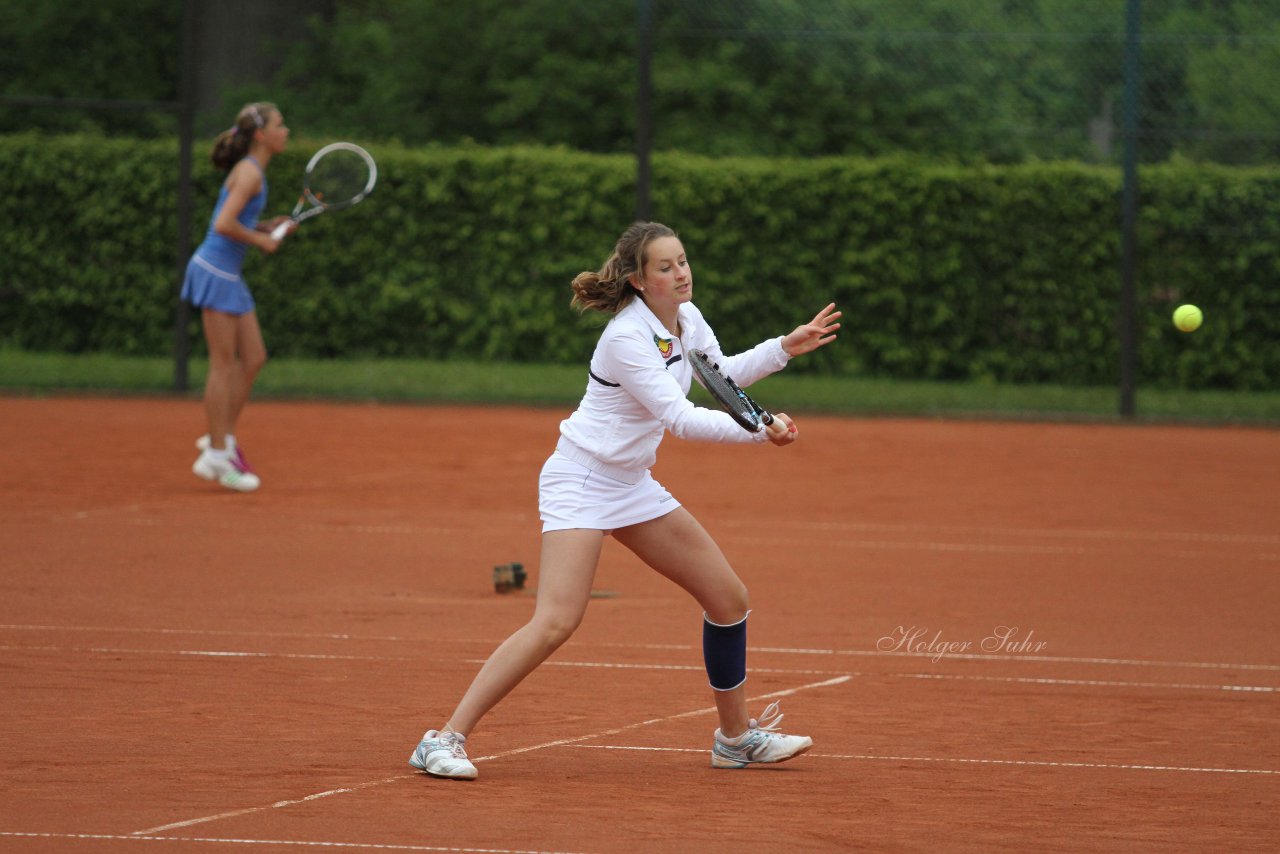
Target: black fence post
{"type": "Point", "coordinates": [186, 122]}
{"type": "Point", "coordinates": [1128, 325]}
{"type": "Point", "coordinates": [644, 109]}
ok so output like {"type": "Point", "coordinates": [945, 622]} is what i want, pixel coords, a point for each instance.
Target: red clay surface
{"type": "Point", "coordinates": [186, 669]}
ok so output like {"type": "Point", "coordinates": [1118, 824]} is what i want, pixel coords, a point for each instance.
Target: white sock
{"type": "Point", "coordinates": [216, 454]}
{"type": "Point", "coordinates": [230, 442]}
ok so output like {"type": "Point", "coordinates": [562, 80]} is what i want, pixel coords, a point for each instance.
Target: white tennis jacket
{"type": "Point", "coordinates": [638, 385]}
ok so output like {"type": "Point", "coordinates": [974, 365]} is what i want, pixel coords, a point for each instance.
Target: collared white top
{"type": "Point", "coordinates": [639, 384]}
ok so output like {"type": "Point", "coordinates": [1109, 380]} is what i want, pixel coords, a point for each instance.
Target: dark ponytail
{"type": "Point", "coordinates": [232, 145]}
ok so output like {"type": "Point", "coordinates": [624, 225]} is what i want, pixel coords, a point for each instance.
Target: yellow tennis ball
{"type": "Point", "coordinates": [1187, 318]}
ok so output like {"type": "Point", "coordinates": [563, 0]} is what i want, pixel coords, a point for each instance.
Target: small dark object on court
{"type": "Point", "coordinates": [508, 577]}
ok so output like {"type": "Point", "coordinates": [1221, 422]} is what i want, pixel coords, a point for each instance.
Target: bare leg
{"type": "Point", "coordinates": [566, 570]}
{"type": "Point", "coordinates": [236, 354]}
{"type": "Point", "coordinates": [221, 385]}
{"type": "Point", "coordinates": [680, 549]}
{"type": "Point", "coordinates": [253, 355]}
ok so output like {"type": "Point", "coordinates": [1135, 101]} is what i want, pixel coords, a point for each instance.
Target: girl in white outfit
{"type": "Point", "coordinates": [597, 483]}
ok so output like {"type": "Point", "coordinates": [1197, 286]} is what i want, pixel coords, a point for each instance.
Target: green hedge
{"type": "Point", "coordinates": [1005, 273]}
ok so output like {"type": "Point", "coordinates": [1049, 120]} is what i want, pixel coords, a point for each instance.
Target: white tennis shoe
{"type": "Point", "coordinates": [231, 472]}
{"type": "Point", "coordinates": [203, 444]}
{"type": "Point", "coordinates": [760, 744]}
{"type": "Point", "coordinates": [442, 754]}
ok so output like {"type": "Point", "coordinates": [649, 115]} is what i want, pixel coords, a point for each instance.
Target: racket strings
{"type": "Point", "coordinates": [722, 388]}
{"type": "Point", "coordinates": [725, 391]}
{"type": "Point", "coordinates": [338, 178]}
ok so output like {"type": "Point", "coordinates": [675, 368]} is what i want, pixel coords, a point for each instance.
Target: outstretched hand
{"type": "Point", "coordinates": [814, 334]}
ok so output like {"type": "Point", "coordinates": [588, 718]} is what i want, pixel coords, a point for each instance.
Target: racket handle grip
{"type": "Point", "coordinates": [278, 233]}
{"type": "Point", "coordinates": [766, 418]}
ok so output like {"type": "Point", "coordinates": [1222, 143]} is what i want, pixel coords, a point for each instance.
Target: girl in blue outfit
{"type": "Point", "coordinates": [597, 483]}
{"type": "Point", "coordinates": [214, 285]}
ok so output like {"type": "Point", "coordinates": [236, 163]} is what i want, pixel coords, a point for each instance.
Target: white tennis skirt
{"type": "Point", "coordinates": [570, 495]}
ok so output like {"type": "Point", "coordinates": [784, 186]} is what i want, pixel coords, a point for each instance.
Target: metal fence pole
{"type": "Point", "coordinates": [1128, 326]}
{"type": "Point", "coordinates": [644, 109]}
{"type": "Point", "coordinates": [186, 131]}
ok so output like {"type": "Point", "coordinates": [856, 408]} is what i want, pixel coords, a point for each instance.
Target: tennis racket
{"type": "Point", "coordinates": [732, 399]}
{"type": "Point", "coordinates": [338, 176]}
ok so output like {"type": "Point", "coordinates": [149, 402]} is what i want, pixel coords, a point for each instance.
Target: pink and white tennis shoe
{"type": "Point", "coordinates": [230, 472]}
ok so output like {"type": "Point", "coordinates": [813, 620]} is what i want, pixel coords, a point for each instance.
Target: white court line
{"type": "Point", "coordinates": [206, 653]}
{"type": "Point", "coordinates": [620, 665]}
{"type": "Point", "coordinates": [868, 653]}
{"type": "Point", "coordinates": [705, 711]}
{"type": "Point", "coordinates": [616, 665]}
{"type": "Point", "coordinates": [318, 795]}
{"type": "Point", "coordinates": [984, 656]}
{"type": "Point", "coordinates": [968, 656]}
{"type": "Point", "coordinates": [850, 527]}
{"type": "Point", "coordinates": [991, 531]}
{"type": "Point", "coordinates": [277, 805]}
{"type": "Point", "coordinates": [215, 653]}
{"type": "Point", "coordinates": [365, 846]}
{"type": "Point", "coordinates": [1030, 762]}
{"type": "Point", "coordinates": [1030, 680]}
{"type": "Point", "coordinates": [917, 545]}
{"type": "Point", "coordinates": [215, 632]}
{"type": "Point", "coordinates": [983, 548]}
{"type": "Point", "coordinates": [413, 530]}
{"type": "Point", "coordinates": [980, 548]}
{"type": "Point", "coordinates": [1102, 683]}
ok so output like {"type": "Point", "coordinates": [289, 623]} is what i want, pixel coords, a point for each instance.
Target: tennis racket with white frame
{"type": "Point", "coordinates": [732, 399]}
{"type": "Point", "coordinates": [338, 176]}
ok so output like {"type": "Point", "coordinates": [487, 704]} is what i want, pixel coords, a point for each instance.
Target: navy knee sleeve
{"type": "Point", "coordinates": [724, 650]}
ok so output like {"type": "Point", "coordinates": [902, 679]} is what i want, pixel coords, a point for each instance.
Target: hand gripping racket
{"type": "Point", "coordinates": [732, 399]}
{"type": "Point", "coordinates": [338, 176]}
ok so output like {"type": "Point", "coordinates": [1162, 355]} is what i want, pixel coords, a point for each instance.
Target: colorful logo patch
{"type": "Point", "coordinates": [664, 346]}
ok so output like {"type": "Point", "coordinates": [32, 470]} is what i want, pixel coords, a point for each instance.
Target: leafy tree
{"type": "Point", "coordinates": [495, 72]}
{"type": "Point", "coordinates": [1233, 82]}
{"type": "Point", "coordinates": [107, 49]}
{"type": "Point", "coordinates": [1000, 80]}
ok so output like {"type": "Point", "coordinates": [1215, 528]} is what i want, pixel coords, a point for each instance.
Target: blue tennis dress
{"type": "Point", "coordinates": [213, 277]}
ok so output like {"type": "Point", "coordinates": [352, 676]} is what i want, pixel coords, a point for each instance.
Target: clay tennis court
{"type": "Point", "coordinates": [186, 669]}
